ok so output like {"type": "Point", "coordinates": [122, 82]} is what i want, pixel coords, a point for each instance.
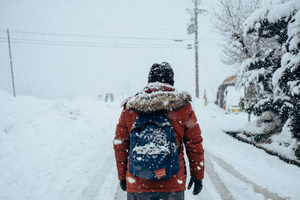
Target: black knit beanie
{"type": "Point", "coordinates": [162, 73]}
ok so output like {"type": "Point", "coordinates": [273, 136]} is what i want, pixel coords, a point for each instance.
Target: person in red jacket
{"type": "Point", "coordinates": [160, 94]}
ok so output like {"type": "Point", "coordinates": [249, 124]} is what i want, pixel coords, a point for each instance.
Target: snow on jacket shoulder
{"type": "Point", "coordinates": [158, 96]}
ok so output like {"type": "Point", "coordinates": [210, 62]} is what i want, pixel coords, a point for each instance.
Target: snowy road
{"type": "Point", "coordinates": [237, 170]}
{"type": "Point", "coordinates": [219, 180]}
{"type": "Point", "coordinates": [245, 186]}
{"type": "Point", "coordinates": [63, 150]}
{"type": "Point", "coordinates": [262, 176]}
{"type": "Point", "coordinates": [218, 188]}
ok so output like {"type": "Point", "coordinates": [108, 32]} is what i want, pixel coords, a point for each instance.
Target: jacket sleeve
{"type": "Point", "coordinates": [193, 144]}
{"type": "Point", "coordinates": [121, 145]}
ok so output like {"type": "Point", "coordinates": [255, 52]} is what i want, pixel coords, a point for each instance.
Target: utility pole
{"type": "Point", "coordinates": [11, 64]}
{"type": "Point", "coordinates": [193, 29]}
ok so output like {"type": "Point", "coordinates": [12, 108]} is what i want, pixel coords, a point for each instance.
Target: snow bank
{"type": "Point", "coordinates": [45, 145]}
{"type": "Point", "coordinates": [281, 144]}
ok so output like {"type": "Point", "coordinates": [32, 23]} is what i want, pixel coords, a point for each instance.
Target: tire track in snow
{"type": "Point", "coordinates": [257, 189]}
{"type": "Point", "coordinates": [221, 188]}
{"type": "Point", "coordinates": [90, 192]}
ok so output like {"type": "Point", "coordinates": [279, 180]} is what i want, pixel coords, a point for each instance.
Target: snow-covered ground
{"type": "Point", "coordinates": [52, 148]}
{"type": "Point", "coordinates": [58, 149]}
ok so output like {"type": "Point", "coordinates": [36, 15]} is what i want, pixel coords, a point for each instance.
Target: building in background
{"type": "Point", "coordinates": [228, 96]}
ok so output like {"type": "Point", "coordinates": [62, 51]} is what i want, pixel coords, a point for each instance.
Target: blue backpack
{"type": "Point", "coordinates": [153, 150]}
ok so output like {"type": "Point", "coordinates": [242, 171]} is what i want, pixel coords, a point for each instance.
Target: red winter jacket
{"type": "Point", "coordinates": [158, 96]}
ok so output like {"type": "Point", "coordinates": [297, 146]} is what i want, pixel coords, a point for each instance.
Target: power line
{"type": "Point", "coordinates": [109, 37]}
{"type": "Point", "coordinates": [97, 36]}
{"type": "Point", "coordinates": [180, 43]}
{"type": "Point", "coordinates": [92, 43]}
{"type": "Point", "coordinates": [95, 45]}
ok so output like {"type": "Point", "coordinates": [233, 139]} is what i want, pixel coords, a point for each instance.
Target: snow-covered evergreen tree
{"type": "Point", "coordinates": [269, 39]}
{"type": "Point", "coordinates": [287, 79]}
{"type": "Point", "coordinates": [276, 64]}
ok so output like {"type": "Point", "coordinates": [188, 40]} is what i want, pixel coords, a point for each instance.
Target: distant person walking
{"type": "Point", "coordinates": [153, 127]}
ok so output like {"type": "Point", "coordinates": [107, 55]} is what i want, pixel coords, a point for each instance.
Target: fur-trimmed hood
{"type": "Point", "coordinates": [158, 96]}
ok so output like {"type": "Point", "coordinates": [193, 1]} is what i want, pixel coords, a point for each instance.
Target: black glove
{"type": "Point", "coordinates": [198, 186]}
{"type": "Point", "coordinates": [123, 184]}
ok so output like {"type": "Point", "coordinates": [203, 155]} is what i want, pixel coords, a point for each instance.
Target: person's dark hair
{"type": "Point", "coordinates": [161, 73]}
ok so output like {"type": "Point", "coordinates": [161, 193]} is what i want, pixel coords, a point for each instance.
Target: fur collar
{"type": "Point", "coordinates": [158, 96]}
